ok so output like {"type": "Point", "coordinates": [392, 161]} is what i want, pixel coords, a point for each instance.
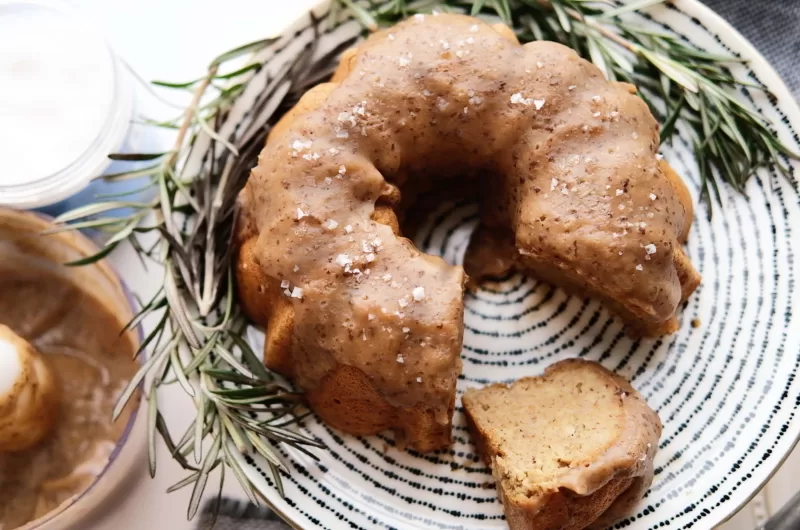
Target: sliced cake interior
{"type": "Point", "coordinates": [564, 446]}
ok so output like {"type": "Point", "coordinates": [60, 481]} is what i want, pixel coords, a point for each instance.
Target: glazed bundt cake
{"type": "Point", "coordinates": [568, 449]}
{"type": "Point", "coordinates": [364, 323]}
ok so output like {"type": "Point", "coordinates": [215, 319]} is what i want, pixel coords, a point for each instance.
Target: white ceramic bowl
{"type": "Point", "coordinates": [106, 285]}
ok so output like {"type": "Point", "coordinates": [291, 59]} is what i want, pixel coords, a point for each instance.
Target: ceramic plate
{"type": "Point", "coordinates": [727, 390]}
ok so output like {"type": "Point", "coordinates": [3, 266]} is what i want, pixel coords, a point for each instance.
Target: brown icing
{"type": "Point", "coordinates": [577, 185]}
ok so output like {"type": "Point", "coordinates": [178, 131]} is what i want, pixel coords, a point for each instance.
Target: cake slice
{"type": "Point", "coordinates": [570, 449]}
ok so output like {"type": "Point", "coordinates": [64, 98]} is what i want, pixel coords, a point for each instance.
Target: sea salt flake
{"type": "Point", "coordinates": [596, 99]}
{"type": "Point", "coordinates": [370, 257]}
{"type": "Point", "coordinates": [342, 170]}
{"type": "Point", "coordinates": [418, 293]}
{"type": "Point", "coordinates": [470, 40]}
{"type": "Point", "coordinates": [391, 36]}
{"type": "Point", "coordinates": [613, 113]}
{"type": "Point", "coordinates": [295, 268]}
{"type": "Point", "coordinates": [330, 224]}
{"type": "Point", "coordinates": [406, 330]}
{"type": "Point", "coordinates": [370, 317]}
{"type": "Point", "coordinates": [441, 103]}
{"type": "Point", "coordinates": [348, 229]}
{"type": "Point", "coordinates": [404, 60]}
{"type": "Point", "coordinates": [445, 44]}
{"type": "Point", "coordinates": [538, 103]}
{"type": "Point", "coordinates": [394, 285]}
{"type": "Point", "coordinates": [596, 114]}
{"type": "Point", "coordinates": [539, 64]}
{"type": "Point", "coordinates": [642, 224]}
{"type": "Point", "coordinates": [564, 191]}
{"type": "Point", "coordinates": [343, 260]}
{"type": "Point", "coordinates": [343, 116]}
{"type": "Point", "coordinates": [403, 302]}
{"type": "Point", "coordinates": [386, 277]}
{"type": "Point", "coordinates": [619, 192]}
{"type": "Point", "coordinates": [634, 135]}
{"type": "Point", "coordinates": [328, 180]}
{"type": "Point", "coordinates": [572, 87]}
{"type": "Point", "coordinates": [650, 249]}
{"type": "Point", "coordinates": [342, 134]}
{"type": "Point", "coordinates": [287, 292]}
{"type": "Point", "coordinates": [285, 284]}
{"type": "Point", "coordinates": [473, 28]}
{"type": "Point", "coordinates": [639, 267]}
{"type": "Point", "coordinates": [297, 293]}
{"type": "Point", "coordinates": [400, 359]}
{"type": "Point", "coordinates": [299, 145]}
{"type": "Point", "coordinates": [419, 379]}
{"type": "Point", "coordinates": [301, 214]}
{"type": "Point", "coordinates": [653, 196]}
{"type": "Point", "coordinates": [553, 184]}
{"type": "Point", "coordinates": [621, 207]}
{"type": "Point", "coordinates": [426, 93]}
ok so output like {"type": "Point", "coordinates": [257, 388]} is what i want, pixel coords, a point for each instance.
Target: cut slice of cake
{"type": "Point", "coordinates": [569, 449]}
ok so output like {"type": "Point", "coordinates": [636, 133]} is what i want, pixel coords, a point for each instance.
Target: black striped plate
{"type": "Point", "coordinates": [727, 391]}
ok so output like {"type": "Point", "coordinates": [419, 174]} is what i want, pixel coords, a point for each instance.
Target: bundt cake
{"type": "Point", "coordinates": [364, 323]}
{"type": "Point", "coordinates": [570, 449]}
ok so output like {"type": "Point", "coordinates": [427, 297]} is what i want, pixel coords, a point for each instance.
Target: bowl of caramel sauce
{"type": "Point", "coordinates": [64, 361]}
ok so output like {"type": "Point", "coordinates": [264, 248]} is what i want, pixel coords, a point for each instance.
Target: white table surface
{"type": "Point", "coordinates": [174, 40]}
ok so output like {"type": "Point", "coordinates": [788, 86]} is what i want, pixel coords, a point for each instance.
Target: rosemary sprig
{"type": "Point", "coordinates": [198, 340]}
{"type": "Point", "coordinates": [681, 84]}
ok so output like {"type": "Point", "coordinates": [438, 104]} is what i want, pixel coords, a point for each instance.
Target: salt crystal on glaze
{"type": "Point", "coordinates": [285, 284]}
{"type": "Point", "coordinates": [639, 267]}
{"type": "Point", "coordinates": [297, 293]}
{"type": "Point", "coordinates": [343, 260]}
{"type": "Point", "coordinates": [650, 249]}
{"type": "Point", "coordinates": [418, 293]}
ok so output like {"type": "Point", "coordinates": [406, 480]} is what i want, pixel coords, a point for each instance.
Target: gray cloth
{"type": "Point", "coordinates": [773, 26]}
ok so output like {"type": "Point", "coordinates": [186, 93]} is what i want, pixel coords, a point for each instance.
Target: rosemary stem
{"type": "Point", "coordinates": [602, 30]}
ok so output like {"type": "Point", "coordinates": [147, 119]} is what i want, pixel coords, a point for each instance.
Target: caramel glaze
{"type": "Point", "coordinates": [442, 96]}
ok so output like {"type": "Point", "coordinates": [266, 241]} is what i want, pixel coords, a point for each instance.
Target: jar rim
{"type": "Point", "coordinates": [79, 173]}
